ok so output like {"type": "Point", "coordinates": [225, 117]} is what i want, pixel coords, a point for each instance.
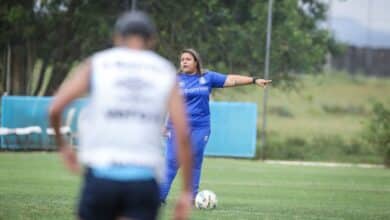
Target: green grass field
{"type": "Point", "coordinates": [35, 186]}
{"type": "Point", "coordinates": [323, 120]}
{"type": "Point", "coordinates": [326, 104]}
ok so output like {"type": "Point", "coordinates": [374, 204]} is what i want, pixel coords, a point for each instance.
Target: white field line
{"type": "Point", "coordinates": [300, 185]}
{"type": "Point", "coordinates": [322, 164]}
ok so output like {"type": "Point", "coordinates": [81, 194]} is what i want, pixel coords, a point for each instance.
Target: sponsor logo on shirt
{"type": "Point", "coordinates": [202, 80]}
{"type": "Point", "coordinates": [131, 113]}
{"type": "Point", "coordinates": [196, 90]}
{"type": "Point", "coordinates": [133, 83]}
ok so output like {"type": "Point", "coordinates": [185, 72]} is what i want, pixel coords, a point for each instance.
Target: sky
{"type": "Point", "coordinates": [360, 22]}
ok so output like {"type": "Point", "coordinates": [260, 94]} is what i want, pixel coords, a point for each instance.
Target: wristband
{"type": "Point", "coordinates": [254, 80]}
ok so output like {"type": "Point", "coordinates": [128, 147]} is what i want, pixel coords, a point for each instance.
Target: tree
{"type": "Point", "coordinates": [57, 33]}
{"type": "Point", "coordinates": [16, 42]}
{"type": "Point", "coordinates": [230, 35]}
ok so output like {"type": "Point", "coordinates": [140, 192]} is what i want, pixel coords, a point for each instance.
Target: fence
{"type": "Point", "coordinates": [233, 125]}
{"type": "Point", "coordinates": [370, 61]}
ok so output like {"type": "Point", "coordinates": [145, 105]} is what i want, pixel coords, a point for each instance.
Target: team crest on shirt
{"type": "Point", "coordinates": [202, 80]}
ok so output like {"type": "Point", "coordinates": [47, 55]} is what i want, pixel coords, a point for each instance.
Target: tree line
{"type": "Point", "coordinates": [41, 40]}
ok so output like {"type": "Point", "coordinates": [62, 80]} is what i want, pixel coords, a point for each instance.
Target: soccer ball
{"type": "Point", "coordinates": [206, 199]}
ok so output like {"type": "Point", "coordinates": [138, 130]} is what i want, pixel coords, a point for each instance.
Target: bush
{"type": "Point", "coordinates": [281, 111]}
{"type": "Point", "coordinates": [332, 148]}
{"type": "Point", "coordinates": [378, 131]}
{"type": "Point", "coordinates": [344, 110]}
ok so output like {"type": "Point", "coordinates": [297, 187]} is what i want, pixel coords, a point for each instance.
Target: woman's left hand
{"type": "Point", "coordinates": [263, 82]}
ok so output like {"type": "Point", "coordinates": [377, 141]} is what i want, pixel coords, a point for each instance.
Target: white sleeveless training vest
{"type": "Point", "coordinates": [123, 119]}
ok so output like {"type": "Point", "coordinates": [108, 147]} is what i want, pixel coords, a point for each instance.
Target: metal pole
{"type": "Point", "coordinates": [328, 64]}
{"type": "Point", "coordinates": [368, 51]}
{"type": "Point", "coordinates": [133, 5]}
{"type": "Point", "coordinates": [266, 73]}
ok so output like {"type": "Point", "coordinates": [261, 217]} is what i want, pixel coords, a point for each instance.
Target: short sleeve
{"type": "Point", "coordinates": [217, 79]}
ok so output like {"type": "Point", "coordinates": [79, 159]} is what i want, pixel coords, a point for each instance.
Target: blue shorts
{"type": "Point", "coordinates": [103, 198]}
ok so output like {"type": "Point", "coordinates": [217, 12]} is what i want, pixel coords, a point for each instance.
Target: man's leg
{"type": "Point", "coordinates": [141, 200]}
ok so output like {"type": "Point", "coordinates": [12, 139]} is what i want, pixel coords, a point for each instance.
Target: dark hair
{"type": "Point", "coordinates": [196, 56]}
{"type": "Point", "coordinates": [135, 23]}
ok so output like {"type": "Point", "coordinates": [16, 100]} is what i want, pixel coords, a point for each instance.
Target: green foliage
{"type": "Point", "coordinates": [378, 131]}
{"type": "Point", "coordinates": [58, 33]}
{"type": "Point", "coordinates": [16, 21]}
{"type": "Point", "coordinates": [333, 148]}
{"type": "Point", "coordinates": [344, 110]}
{"type": "Point", "coordinates": [281, 111]}
{"type": "Point", "coordinates": [230, 35]}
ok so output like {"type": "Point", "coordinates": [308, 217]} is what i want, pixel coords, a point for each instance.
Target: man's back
{"type": "Point", "coordinates": [128, 104]}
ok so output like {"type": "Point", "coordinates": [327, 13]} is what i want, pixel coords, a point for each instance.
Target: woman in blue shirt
{"type": "Point", "coordinates": [196, 86]}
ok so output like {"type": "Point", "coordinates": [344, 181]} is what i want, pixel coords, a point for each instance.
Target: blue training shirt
{"type": "Point", "coordinates": [196, 90]}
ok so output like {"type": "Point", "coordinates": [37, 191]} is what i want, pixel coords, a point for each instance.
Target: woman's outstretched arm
{"type": "Point", "coordinates": [238, 80]}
